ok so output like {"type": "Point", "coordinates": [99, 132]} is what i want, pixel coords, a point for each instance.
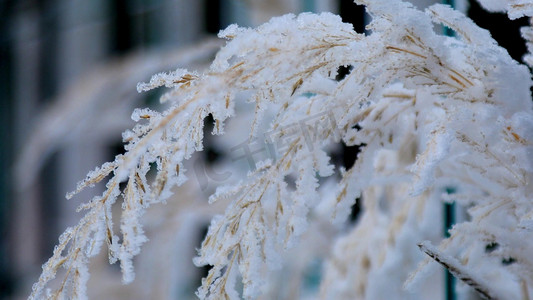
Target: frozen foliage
{"type": "Point", "coordinates": [438, 118]}
{"type": "Point", "coordinates": [514, 8]}
{"type": "Point", "coordinates": [89, 108]}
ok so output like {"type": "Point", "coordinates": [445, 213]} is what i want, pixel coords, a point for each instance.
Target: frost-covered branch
{"type": "Point", "coordinates": [430, 112]}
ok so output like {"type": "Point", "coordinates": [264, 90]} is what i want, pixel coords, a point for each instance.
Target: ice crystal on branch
{"type": "Point", "coordinates": [430, 112]}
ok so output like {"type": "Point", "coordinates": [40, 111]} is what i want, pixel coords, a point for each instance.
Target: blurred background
{"type": "Point", "coordinates": [68, 71]}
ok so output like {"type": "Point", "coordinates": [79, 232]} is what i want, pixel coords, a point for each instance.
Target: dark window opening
{"type": "Point", "coordinates": [212, 16]}
{"type": "Point", "coordinates": [355, 211]}
{"type": "Point", "coordinates": [211, 153]}
{"type": "Point", "coordinates": [345, 156]}
{"type": "Point", "coordinates": [204, 271]}
{"type": "Point", "coordinates": [116, 149]}
{"type": "Point", "coordinates": [49, 41]}
{"type": "Point", "coordinates": [121, 27]}
{"type": "Point", "coordinates": [354, 14]}
{"type": "Point", "coordinates": [342, 72]}
{"type": "Point", "coordinates": [506, 32]}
